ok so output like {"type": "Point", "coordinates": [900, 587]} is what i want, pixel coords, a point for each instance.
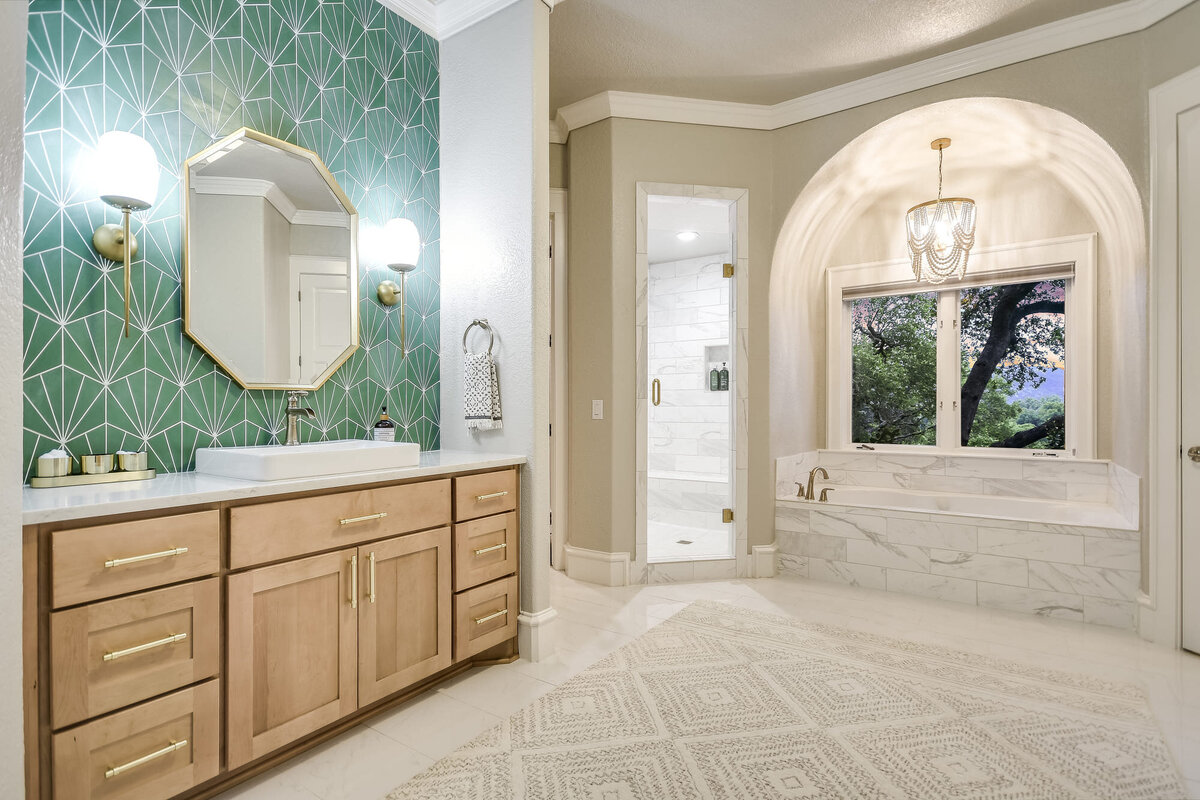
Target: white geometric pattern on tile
{"type": "Point", "coordinates": [1066, 571]}
{"type": "Point", "coordinates": [810, 710]}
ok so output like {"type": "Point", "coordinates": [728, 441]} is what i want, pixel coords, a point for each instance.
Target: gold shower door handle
{"type": "Point", "coordinates": [1194, 453]}
{"type": "Point", "coordinates": [656, 392]}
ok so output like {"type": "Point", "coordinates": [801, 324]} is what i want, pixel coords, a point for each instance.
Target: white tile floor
{"type": "Point", "coordinates": [367, 762]}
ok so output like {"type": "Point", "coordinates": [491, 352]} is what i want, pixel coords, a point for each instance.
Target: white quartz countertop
{"type": "Point", "coordinates": [174, 489]}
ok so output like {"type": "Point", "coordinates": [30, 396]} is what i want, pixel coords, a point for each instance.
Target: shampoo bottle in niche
{"type": "Point", "coordinates": [714, 380]}
{"type": "Point", "coordinates": [724, 377]}
{"type": "Point", "coordinates": [385, 429]}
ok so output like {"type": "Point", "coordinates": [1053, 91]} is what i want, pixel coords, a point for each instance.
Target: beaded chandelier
{"type": "Point", "coordinates": [941, 232]}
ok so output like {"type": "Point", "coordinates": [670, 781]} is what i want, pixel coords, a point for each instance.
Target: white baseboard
{"type": "Point", "coordinates": [535, 634]}
{"type": "Point", "coordinates": [762, 560]}
{"type": "Point", "coordinates": [596, 566]}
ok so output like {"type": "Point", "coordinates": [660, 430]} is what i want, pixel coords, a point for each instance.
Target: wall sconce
{"type": "Point", "coordinates": [127, 179]}
{"type": "Point", "coordinates": [402, 245]}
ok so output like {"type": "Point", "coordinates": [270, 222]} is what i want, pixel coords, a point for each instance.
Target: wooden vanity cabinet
{"type": "Point", "coordinates": [292, 652]}
{"type": "Point", "coordinates": [225, 638]}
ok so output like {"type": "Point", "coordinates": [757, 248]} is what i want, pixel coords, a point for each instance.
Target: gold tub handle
{"type": "Point", "coordinates": [113, 772]}
{"type": "Point", "coordinates": [113, 655]}
{"type": "Point", "coordinates": [120, 562]}
{"type": "Point", "coordinates": [490, 617]}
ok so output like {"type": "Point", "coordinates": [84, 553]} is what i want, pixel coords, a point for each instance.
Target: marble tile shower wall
{"type": "Point", "coordinates": [688, 313]}
{"type": "Point", "coordinates": [350, 80]}
{"type": "Point", "coordinates": [1085, 574]}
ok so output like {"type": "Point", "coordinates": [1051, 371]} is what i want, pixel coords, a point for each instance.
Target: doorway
{"type": "Point", "coordinates": [690, 326]}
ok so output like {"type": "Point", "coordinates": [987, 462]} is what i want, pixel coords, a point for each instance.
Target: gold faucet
{"type": "Point", "coordinates": [809, 494]}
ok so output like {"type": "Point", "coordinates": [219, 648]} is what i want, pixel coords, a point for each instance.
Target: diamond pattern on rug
{"type": "Point", "coordinates": [593, 707]}
{"type": "Point", "coordinates": [952, 758]}
{"type": "Point", "coordinates": [790, 764]}
{"type": "Point", "coordinates": [1100, 758]}
{"type": "Point", "coordinates": [799, 710]}
{"type": "Point", "coordinates": [643, 771]}
{"type": "Point", "coordinates": [835, 694]}
{"type": "Point", "coordinates": [718, 700]}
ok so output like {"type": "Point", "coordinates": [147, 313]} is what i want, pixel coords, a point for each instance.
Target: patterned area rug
{"type": "Point", "coordinates": [723, 702]}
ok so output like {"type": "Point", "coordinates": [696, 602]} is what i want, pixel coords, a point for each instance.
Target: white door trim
{"type": "Point", "coordinates": [1160, 618]}
{"type": "Point", "coordinates": [558, 413]}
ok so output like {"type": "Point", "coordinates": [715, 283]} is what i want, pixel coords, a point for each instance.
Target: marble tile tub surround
{"type": "Point", "coordinates": [1037, 478]}
{"type": "Point", "coordinates": [1087, 574]}
{"type": "Point", "coordinates": [352, 81]}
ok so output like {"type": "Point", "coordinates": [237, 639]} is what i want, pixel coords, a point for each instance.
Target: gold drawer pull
{"type": "Point", "coordinates": [113, 655]}
{"type": "Point", "coordinates": [479, 498]}
{"type": "Point", "coordinates": [113, 772]}
{"type": "Point", "coordinates": [120, 562]}
{"type": "Point", "coordinates": [367, 518]}
{"type": "Point", "coordinates": [490, 617]}
{"type": "Point", "coordinates": [493, 548]}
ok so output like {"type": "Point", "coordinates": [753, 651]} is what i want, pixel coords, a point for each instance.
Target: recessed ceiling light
{"type": "Point", "coordinates": [687, 236]}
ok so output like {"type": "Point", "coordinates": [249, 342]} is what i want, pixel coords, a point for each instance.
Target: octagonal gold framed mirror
{"type": "Point", "coordinates": [270, 262]}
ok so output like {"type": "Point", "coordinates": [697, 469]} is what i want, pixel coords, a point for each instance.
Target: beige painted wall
{"type": "Point", "coordinates": [606, 162]}
{"type": "Point", "coordinates": [558, 166]}
{"type": "Point", "coordinates": [1104, 85]}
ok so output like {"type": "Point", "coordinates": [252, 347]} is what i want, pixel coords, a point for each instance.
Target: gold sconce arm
{"type": "Point", "coordinates": [109, 241]}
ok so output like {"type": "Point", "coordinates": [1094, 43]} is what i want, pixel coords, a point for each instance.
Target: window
{"type": "Point", "coordinates": [999, 361]}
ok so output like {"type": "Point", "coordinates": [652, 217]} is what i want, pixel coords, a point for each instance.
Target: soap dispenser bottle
{"type": "Point", "coordinates": [714, 380]}
{"type": "Point", "coordinates": [724, 378]}
{"type": "Point", "coordinates": [385, 429]}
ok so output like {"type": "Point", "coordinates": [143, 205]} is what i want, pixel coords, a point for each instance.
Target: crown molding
{"type": "Point", "coordinates": [446, 18]}
{"type": "Point", "coordinates": [1093, 26]}
{"type": "Point", "coordinates": [269, 191]}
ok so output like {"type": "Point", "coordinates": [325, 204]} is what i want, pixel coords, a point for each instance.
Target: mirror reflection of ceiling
{"type": "Point", "coordinates": [293, 174]}
{"type": "Point", "coordinates": [766, 51]}
{"type": "Point", "coordinates": [667, 216]}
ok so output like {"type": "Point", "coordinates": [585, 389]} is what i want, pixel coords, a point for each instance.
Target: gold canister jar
{"type": "Point", "coordinates": [96, 463]}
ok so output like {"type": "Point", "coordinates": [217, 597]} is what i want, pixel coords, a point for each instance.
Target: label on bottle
{"type": "Point", "coordinates": [385, 434]}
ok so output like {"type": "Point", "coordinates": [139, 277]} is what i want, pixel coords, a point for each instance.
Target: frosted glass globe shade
{"type": "Point", "coordinates": [402, 242]}
{"type": "Point", "coordinates": [127, 171]}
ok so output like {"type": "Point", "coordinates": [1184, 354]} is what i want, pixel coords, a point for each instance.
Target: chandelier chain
{"type": "Point", "coordinates": [941, 153]}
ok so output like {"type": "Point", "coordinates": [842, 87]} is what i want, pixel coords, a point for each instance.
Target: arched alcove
{"type": "Point", "coordinates": [1035, 172]}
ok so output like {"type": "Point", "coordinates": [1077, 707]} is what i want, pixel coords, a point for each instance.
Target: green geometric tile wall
{"type": "Point", "coordinates": [350, 80]}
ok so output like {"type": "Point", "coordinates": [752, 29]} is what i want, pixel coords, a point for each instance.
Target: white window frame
{"type": "Point", "coordinates": [1072, 257]}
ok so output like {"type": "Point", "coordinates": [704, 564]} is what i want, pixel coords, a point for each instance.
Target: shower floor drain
{"type": "Point", "coordinates": [683, 541]}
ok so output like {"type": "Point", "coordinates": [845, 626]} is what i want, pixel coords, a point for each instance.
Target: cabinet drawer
{"type": "Point", "coordinates": [485, 549]}
{"type": "Point", "coordinates": [485, 616]}
{"type": "Point", "coordinates": [119, 652]}
{"type": "Point", "coordinates": [148, 752]}
{"type": "Point", "coordinates": [484, 494]}
{"type": "Point", "coordinates": [288, 528]}
{"type": "Point", "coordinates": [106, 560]}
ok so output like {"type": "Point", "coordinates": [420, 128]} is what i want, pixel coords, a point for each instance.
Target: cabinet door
{"type": "Point", "coordinates": [292, 651]}
{"type": "Point", "coordinates": [404, 612]}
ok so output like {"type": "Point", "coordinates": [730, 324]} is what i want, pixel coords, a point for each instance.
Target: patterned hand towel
{"type": "Point", "coordinates": [481, 389]}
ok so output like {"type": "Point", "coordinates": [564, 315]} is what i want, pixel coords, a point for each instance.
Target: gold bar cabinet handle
{"type": "Point", "coordinates": [120, 562]}
{"type": "Point", "coordinates": [479, 498]}
{"type": "Point", "coordinates": [113, 655]}
{"type": "Point", "coordinates": [491, 549]}
{"type": "Point", "coordinates": [371, 585]}
{"type": "Point", "coordinates": [367, 518]}
{"type": "Point", "coordinates": [354, 581]}
{"type": "Point", "coordinates": [113, 772]}
{"type": "Point", "coordinates": [490, 617]}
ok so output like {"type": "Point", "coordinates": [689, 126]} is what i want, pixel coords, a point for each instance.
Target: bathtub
{"type": "Point", "coordinates": [1020, 509]}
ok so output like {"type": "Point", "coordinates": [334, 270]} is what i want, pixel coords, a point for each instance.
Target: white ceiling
{"type": "Point", "coordinates": [667, 216]}
{"type": "Point", "coordinates": [766, 51]}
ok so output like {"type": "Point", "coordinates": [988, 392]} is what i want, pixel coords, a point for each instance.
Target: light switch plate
{"type": "Point", "coordinates": [597, 409]}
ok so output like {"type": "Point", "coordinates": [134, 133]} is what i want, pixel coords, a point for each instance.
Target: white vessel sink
{"type": "Point", "coordinates": [276, 462]}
